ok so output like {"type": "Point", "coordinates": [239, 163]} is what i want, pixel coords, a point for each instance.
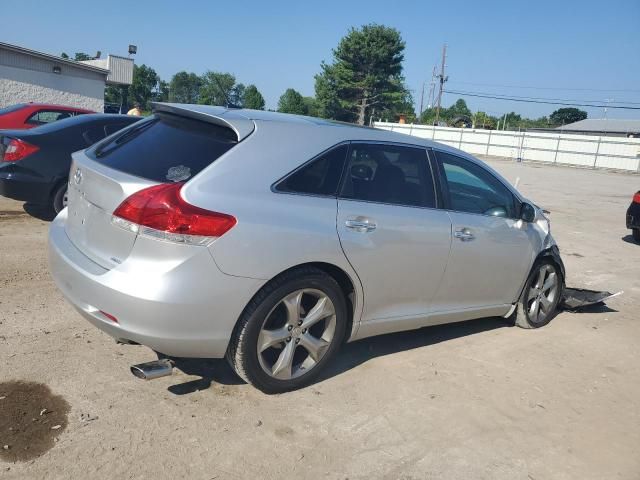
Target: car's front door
{"type": "Point", "coordinates": [392, 233]}
{"type": "Point", "coordinates": [492, 250]}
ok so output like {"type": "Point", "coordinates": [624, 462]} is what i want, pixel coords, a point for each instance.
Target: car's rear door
{"type": "Point", "coordinates": [392, 233]}
{"type": "Point", "coordinates": [492, 250]}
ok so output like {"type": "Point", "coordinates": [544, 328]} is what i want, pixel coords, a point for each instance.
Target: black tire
{"type": "Point", "coordinates": [636, 234]}
{"type": "Point", "coordinates": [242, 353]}
{"type": "Point", "coordinates": [522, 316]}
{"type": "Point", "coordinates": [58, 198]}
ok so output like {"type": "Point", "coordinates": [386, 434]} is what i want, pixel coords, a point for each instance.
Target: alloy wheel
{"type": "Point", "coordinates": [543, 293]}
{"type": "Point", "coordinates": [296, 334]}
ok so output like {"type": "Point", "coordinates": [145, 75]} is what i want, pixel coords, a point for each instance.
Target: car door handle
{"type": "Point", "coordinates": [361, 226]}
{"type": "Point", "coordinates": [464, 234]}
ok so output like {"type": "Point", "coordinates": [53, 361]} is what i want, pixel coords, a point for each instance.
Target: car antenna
{"type": "Point", "coordinates": [228, 104]}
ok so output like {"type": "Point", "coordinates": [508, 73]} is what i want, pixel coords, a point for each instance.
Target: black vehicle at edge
{"type": "Point", "coordinates": [34, 164]}
{"type": "Point", "coordinates": [633, 217]}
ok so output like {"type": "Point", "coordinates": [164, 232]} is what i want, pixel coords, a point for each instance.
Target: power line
{"type": "Point", "coordinates": [515, 99]}
{"type": "Point", "coordinates": [527, 97]}
{"type": "Point", "coordinates": [549, 88]}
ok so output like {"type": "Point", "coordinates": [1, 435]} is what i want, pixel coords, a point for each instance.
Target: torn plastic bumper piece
{"type": "Point", "coordinates": [574, 298]}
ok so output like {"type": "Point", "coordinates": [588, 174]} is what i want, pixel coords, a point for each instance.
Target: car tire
{"type": "Point", "coordinates": [636, 234]}
{"type": "Point", "coordinates": [538, 303]}
{"type": "Point", "coordinates": [270, 317]}
{"type": "Point", "coordinates": [59, 199]}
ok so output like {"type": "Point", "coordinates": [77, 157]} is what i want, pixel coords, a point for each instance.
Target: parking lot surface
{"type": "Point", "coordinates": [476, 400]}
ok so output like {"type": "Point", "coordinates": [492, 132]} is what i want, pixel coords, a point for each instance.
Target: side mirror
{"type": "Point", "coordinates": [528, 212]}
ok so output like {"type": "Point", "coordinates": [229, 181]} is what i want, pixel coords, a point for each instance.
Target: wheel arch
{"type": "Point", "coordinates": [553, 254]}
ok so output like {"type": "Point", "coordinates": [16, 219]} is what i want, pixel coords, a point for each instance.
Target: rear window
{"type": "Point", "coordinates": [164, 148]}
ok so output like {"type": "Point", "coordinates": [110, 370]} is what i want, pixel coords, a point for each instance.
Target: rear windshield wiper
{"type": "Point", "coordinates": [121, 139]}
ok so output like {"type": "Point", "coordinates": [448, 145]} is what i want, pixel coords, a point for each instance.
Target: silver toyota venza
{"type": "Point", "coordinates": [271, 239]}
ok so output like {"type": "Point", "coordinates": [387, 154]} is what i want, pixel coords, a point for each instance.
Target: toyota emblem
{"type": "Point", "coordinates": [77, 177]}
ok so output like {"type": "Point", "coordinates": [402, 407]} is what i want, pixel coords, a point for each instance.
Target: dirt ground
{"type": "Point", "coordinates": [478, 400]}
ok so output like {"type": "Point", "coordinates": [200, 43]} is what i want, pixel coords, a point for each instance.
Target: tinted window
{"type": "Point", "coordinates": [47, 116]}
{"type": "Point", "coordinates": [475, 190]}
{"type": "Point", "coordinates": [109, 129]}
{"type": "Point", "coordinates": [320, 176]}
{"type": "Point", "coordinates": [389, 174]}
{"type": "Point", "coordinates": [165, 148]}
{"type": "Point", "coordinates": [93, 135]}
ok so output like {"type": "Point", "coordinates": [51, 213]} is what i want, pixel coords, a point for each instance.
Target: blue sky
{"type": "Point", "coordinates": [583, 50]}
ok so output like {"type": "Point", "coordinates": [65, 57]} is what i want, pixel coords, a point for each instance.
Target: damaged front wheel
{"type": "Point", "coordinates": [538, 303]}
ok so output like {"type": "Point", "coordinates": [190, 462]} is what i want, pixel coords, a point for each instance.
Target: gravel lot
{"type": "Point", "coordinates": [479, 400]}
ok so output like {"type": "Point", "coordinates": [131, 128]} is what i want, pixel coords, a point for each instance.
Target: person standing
{"type": "Point", "coordinates": [136, 110]}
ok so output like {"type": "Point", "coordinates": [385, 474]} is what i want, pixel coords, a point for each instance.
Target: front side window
{"type": "Point", "coordinates": [321, 176]}
{"type": "Point", "coordinates": [389, 174]}
{"type": "Point", "coordinates": [473, 189]}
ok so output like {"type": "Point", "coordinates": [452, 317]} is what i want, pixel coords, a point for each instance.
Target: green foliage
{"type": "Point", "coordinates": [162, 95]}
{"type": "Point", "coordinates": [366, 73]}
{"type": "Point", "coordinates": [311, 106]}
{"type": "Point", "coordinates": [218, 88]}
{"type": "Point", "coordinates": [184, 88]}
{"type": "Point", "coordinates": [81, 56]}
{"type": "Point", "coordinates": [292, 102]}
{"type": "Point", "coordinates": [564, 116]}
{"type": "Point", "coordinates": [144, 86]}
{"type": "Point", "coordinates": [252, 98]}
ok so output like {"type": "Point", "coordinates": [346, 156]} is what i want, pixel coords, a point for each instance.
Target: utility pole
{"type": "Point", "coordinates": [421, 101]}
{"type": "Point", "coordinates": [607, 106]}
{"type": "Point", "coordinates": [442, 79]}
{"type": "Point", "coordinates": [432, 87]}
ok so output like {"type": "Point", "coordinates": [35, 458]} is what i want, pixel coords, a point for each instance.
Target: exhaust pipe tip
{"type": "Point", "coordinates": [154, 369]}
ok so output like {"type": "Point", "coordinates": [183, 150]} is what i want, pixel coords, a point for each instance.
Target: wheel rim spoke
{"type": "Point", "coordinates": [549, 283]}
{"type": "Point", "coordinates": [269, 338]}
{"type": "Point", "coordinates": [541, 276]}
{"type": "Point", "coordinates": [283, 367]}
{"type": "Point", "coordinates": [322, 309]}
{"type": "Point", "coordinates": [292, 304]}
{"type": "Point", "coordinates": [315, 346]}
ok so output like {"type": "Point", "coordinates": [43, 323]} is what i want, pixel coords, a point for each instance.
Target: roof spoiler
{"type": "Point", "coordinates": [242, 126]}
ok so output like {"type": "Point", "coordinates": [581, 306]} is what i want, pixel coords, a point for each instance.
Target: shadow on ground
{"type": "Point", "coordinates": [350, 356]}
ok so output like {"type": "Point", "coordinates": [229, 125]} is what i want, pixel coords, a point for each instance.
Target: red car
{"type": "Point", "coordinates": [30, 115]}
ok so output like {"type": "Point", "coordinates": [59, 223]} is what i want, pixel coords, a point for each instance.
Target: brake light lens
{"type": "Point", "coordinates": [160, 212]}
{"type": "Point", "coordinates": [636, 198]}
{"type": "Point", "coordinates": [16, 149]}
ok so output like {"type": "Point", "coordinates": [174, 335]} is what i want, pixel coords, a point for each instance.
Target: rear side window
{"type": "Point", "coordinates": [42, 117]}
{"type": "Point", "coordinates": [318, 177]}
{"type": "Point", "coordinates": [165, 148]}
{"type": "Point", "coordinates": [389, 174]}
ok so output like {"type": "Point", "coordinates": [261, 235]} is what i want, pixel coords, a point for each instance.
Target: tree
{"type": "Point", "coordinates": [144, 86]}
{"type": "Point", "coordinates": [184, 88]}
{"type": "Point", "coordinates": [458, 109]}
{"type": "Point", "coordinates": [78, 56]}
{"type": "Point", "coordinates": [366, 73]}
{"type": "Point", "coordinates": [162, 94]}
{"type": "Point", "coordinates": [252, 98]}
{"type": "Point", "coordinates": [292, 102]}
{"type": "Point", "coordinates": [219, 88]}
{"type": "Point", "coordinates": [564, 116]}
{"type": "Point", "coordinates": [311, 106]}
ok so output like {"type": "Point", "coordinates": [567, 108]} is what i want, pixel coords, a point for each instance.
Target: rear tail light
{"type": "Point", "coordinates": [160, 212]}
{"type": "Point", "coordinates": [16, 149]}
{"type": "Point", "coordinates": [636, 198]}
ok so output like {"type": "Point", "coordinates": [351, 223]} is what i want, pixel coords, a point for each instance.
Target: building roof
{"type": "Point", "coordinates": [603, 125]}
{"type": "Point", "coordinates": [53, 58]}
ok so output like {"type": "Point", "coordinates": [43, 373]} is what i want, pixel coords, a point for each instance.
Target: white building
{"type": "Point", "coordinates": [30, 76]}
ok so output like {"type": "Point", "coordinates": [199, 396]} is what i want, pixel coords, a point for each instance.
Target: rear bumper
{"type": "Point", "coordinates": [22, 186]}
{"type": "Point", "coordinates": [187, 310]}
{"type": "Point", "coordinates": [633, 216]}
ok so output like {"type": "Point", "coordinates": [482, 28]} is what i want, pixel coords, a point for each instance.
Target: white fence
{"type": "Point", "coordinates": [584, 150]}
